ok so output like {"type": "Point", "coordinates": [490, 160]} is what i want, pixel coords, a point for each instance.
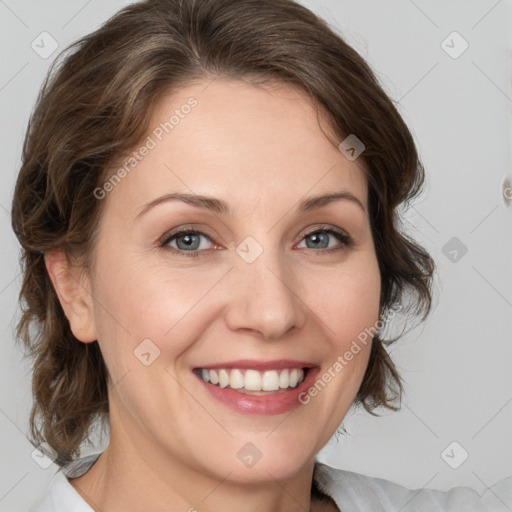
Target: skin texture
{"type": "Point", "coordinates": [172, 446]}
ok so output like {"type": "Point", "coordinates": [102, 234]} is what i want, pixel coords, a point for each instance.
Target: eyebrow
{"type": "Point", "coordinates": [221, 207]}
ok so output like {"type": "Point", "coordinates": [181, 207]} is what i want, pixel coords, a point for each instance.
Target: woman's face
{"type": "Point", "coordinates": [266, 289]}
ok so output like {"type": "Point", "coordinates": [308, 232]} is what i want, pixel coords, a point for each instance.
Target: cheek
{"type": "Point", "coordinates": [173, 305]}
{"type": "Point", "coordinates": [349, 307]}
{"type": "Point", "coordinates": [349, 311]}
{"type": "Point", "coordinates": [349, 301]}
{"type": "Point", "coordinates": [137, 302]}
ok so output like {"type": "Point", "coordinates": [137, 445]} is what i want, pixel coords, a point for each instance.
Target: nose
{"type": "Point", "coordinates": [265, 298]}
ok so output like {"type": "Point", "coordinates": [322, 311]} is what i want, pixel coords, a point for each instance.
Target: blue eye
{"type": "Point", "coordinates": [320, 239]}
{"type": "Point", "coordinates": [188, 242]}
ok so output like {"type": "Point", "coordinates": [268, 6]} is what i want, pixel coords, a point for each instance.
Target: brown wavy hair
{"type": "Point", "coordinates": [95, 105]}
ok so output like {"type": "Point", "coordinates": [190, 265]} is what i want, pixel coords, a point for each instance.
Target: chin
{"type": "Point", "coordinates": [262, 460]}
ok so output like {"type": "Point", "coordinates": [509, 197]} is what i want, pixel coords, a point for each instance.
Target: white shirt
{"type": "Point", "coordinates": [351, 492]}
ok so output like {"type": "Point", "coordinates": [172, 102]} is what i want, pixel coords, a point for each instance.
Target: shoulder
{"type": "Point", "coordinates": [60, 495]}
{"type": "Point", "coordinates": [354, 492]}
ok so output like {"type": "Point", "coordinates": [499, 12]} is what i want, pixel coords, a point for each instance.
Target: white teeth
{"type": "Point", "coordinates": [223, 378]}
{"type": "Point", "coordinates": [284, 379]}
{"type": "Point", "coordinates": [214, 377]}
{"type": "Point", "coordinates": [294, 377]}
{"type": "Point", "coordinates": [253, 380]}
{"type": "Point", "coordinates": [270, 381]}
{"type": "Point", "coordinates": [236, 380]}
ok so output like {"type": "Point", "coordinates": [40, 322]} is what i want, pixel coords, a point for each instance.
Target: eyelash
{"type": "Point", "coordinates": [345, 240]}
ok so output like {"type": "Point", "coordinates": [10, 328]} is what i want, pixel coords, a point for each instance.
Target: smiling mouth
{"type": "Point", "coordinates": [253, 382]}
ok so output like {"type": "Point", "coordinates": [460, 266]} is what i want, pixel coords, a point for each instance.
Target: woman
{"type": "Point", "coordinates": [208, 211]}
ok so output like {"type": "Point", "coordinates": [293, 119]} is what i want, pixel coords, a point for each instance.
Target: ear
{"type": "Point", "coordinates": [74, 293]}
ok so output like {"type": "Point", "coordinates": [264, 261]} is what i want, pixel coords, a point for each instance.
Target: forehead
{"type": "Point", "coordinates": [251, 145]}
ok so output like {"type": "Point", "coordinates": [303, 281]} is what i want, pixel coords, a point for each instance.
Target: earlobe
{"type": "Point", "coordinates": [74, 295]}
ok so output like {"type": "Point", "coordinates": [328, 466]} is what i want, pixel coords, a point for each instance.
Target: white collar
{"type": "Point", "coordinates": [352, 492]}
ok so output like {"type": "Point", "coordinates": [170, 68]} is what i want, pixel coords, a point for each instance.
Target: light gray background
{"type": "Point", "coordinates": [456, 366]}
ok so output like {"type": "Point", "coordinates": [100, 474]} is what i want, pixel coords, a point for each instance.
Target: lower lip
{"type": "Point", "coordinates": [262, 405]}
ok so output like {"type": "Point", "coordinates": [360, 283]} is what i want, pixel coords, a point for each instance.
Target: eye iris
{"type": "Point", "coordinates": [191, 241]}
{"type": "Point", "coordinates": [318, 237]}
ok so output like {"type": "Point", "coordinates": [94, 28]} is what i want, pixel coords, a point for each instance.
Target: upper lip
{"type": "Point", "coordinates": [259, 364]}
